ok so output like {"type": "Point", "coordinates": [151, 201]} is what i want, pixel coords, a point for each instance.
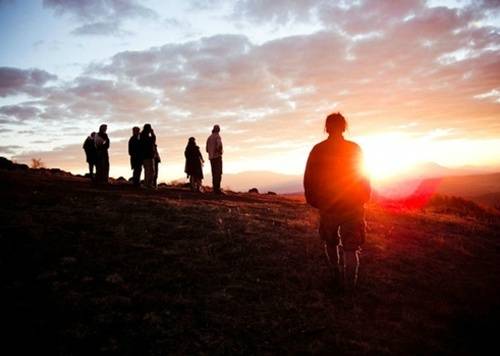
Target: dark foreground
{"type": "Point", "coordinates": [87, 271]}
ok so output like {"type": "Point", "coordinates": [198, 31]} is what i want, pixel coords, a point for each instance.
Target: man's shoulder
{"type": "Point", "coordinates": [352, 145]}
{"type": "Point", "coordinates": [328, 146]}
{"type": "Point", "coordinates": [319, 146]}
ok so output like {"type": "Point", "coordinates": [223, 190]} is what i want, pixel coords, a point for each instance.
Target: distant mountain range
{"type": "Point", "coordinates": [266, 181]}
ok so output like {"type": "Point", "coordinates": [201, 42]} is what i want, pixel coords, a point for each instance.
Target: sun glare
{"type": "Point", "coordinates": [387, 155]}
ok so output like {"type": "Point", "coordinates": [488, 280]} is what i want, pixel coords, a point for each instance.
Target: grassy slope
{"type": "Point", "coordinates": [113, 270]}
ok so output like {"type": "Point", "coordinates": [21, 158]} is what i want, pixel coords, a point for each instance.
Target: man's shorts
{"type": "Point", "coordinates": [351, 233]}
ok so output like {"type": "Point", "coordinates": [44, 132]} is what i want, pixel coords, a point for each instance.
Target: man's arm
{"type": "Point", "coordinates": [309, 180]}
{"type": "Point", "coordinates": [219, 145]}
{"type": "Point", "coordinates": [365, 187]}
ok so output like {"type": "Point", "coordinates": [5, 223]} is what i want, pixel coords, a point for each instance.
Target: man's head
{"type": "Point", "coordinates": [216, 129]}
{"type": "Point", "coordinates": [92, 134]}
{"type": "Point", "coordinates": [103, 128]}
{"type": "Point", "coordinates": [135, 130]}
{"type": "Point", "coordinates": [147, 128]}
{"type": "Point", "coordinates": [335, 124]}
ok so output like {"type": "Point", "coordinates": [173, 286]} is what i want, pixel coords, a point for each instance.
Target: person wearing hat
{"type": "Point", "coordinates": [335, 185]}
{"type": "Point", "coordinates": [215, 150]}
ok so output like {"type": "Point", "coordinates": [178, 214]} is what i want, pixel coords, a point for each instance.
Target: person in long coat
{"type": "Point", "coordinates": [134, 151]}
{"type": "Point", "coordinates": [90, 153]}
{"type": "Point", "coordinates": [102, 162]}
{"type": "Point", "coordinates": [194, 164]}
{"type": "Point", "coordinates": [148, 142]}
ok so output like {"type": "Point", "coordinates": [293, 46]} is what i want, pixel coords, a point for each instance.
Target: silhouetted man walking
{"type": "Point", "coordinates": [334, 184]}
{"type": "Point", "coordinates": [215, 150]}
{"type": "Point", "coordinates": [134, 151]}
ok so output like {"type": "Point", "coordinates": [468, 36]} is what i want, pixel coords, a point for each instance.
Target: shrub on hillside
{"type": "Point", "coordinates": [457, 206]}
{"type": "Point", "coordinates": [37, 163]}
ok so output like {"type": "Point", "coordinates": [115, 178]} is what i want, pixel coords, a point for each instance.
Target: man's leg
{"type": "Point", "coordinates": [148, 172]}
{"type": "Point", "coordinates": [353, 236]}
{"type": "Point", "coordinates": [351, 267]}
{"type": "Point", "coordinates": [216, 177]}
{"type": "Point", "coordinates": [332, 252]}
{"type": "Point", "coordinates": [151, 173]}
{"type": "Point", "coordinates": [105, 177]}
{"type": "Point", "coordinates": [155, 178]}
{"type": "Point", "coordinates": [91, 170]}
{"type": "Point", "coordinates": [217, 181]}
{"type": "Point", "coordinates": [192, 183]}
{"type": "Point", "coordinates": [328, 230]}
{"type": "Point", "coordinates": [98, 171]}
{"type": "Point", "coordinates": [136, 177]}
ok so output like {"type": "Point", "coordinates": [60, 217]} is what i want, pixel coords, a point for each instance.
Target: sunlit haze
{"type": "Point", "coordinates": [418, 81]}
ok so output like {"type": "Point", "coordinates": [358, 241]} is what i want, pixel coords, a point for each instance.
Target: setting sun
{"type": "Point", "coordinates": [388, 155]}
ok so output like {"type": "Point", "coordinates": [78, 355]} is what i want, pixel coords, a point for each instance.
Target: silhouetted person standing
{"type": "Point", "coordinates": [215, 150]}
{"type": "Point", "coordinates": [134, 151]}
{"type": "Point", "coordinates": [102, 162]}
{"type": "Point", "coordinates": [90, 153]}
{"type": "Point", "coordinates": [148, 142]}
{"type": "Point", "coordinates": [157, 161]}
{"type": "Point", "coordinates": [194, 164]}
{"type": "Point", "coordinates": [334, 184]}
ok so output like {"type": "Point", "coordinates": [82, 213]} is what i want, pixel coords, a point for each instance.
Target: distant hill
{"type": "Point", "coordinates": [483, 188]}
{"type": "Point", "coordinates": [434, 170]}
{"type": "Point", "coordinates": [402, 185]}
{"type": "Point", "coordinates": [264, 181]}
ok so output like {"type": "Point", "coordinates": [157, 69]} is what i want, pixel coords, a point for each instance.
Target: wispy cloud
{"type": "Point", "coordinates": [100, 17]}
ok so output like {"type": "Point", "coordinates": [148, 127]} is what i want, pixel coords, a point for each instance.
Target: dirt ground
{"type": "Point", "coordinates": [114, 270]}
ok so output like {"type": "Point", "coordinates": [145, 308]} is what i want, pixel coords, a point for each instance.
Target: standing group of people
{"type": "Point", "coordinates": [143, 153]}
{"type": "Point", "coordinates": [194, 161]}
{"type": "Point", "coordinates": [96, 149]}
{"type": "Point", "coordinates": [333, 183]}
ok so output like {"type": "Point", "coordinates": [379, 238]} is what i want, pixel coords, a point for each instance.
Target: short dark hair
{"type": "Point", "coordinates": [335, 122]}
{"type": "Point", "coordinates": [103, 127]}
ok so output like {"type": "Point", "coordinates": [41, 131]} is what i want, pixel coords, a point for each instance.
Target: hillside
{"type": "Point", "coordinates": [471, 186]}
{"type": "Point", "coordinates": [114, 270]}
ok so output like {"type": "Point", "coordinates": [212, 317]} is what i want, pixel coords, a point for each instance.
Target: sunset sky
{"type": "Point", "coordinates": [418, 80]}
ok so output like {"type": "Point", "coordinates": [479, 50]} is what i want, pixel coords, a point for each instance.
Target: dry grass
{"type": "Point", "coordinates": [120, 271]}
